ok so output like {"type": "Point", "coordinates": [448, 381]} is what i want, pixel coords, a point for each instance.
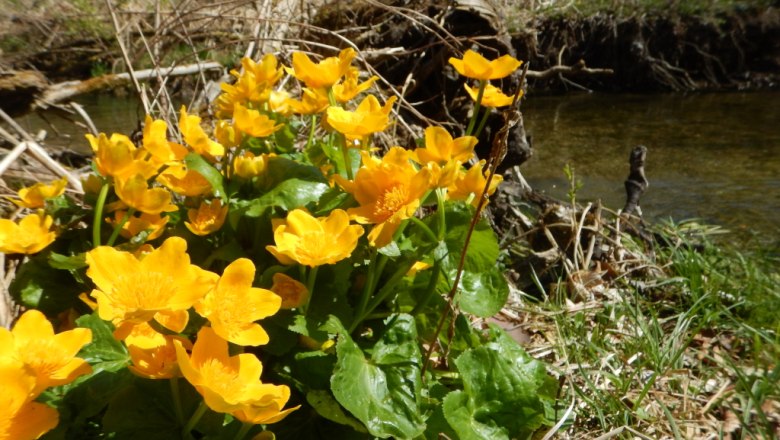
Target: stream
{"type": "Point", "coordinates": [714, 156]}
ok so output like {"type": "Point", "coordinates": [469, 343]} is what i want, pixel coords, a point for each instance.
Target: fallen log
{"type": "Point", "coordinates": [66, 90]}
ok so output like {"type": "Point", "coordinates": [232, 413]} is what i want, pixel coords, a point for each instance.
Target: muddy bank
{"type": "Point", "coordinates": [735, 50]}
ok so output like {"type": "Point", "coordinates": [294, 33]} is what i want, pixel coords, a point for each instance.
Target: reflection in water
{"type": "Point", "coordinates": [711, 156]}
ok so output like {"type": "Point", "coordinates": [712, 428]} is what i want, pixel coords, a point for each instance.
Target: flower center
{"type": "Point", "coordinates": [391, 201]}
{"type": "Point", "coordinates": [144, 290]}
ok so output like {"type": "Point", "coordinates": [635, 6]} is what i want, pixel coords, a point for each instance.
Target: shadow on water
{"type": "Point", "coordinates": [715, 157]}
{"type": "Point", "coordinates": [711, 156]}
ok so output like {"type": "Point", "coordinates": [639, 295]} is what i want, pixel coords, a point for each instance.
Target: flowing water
{"type": "Point", "coordinates": [715, 157]}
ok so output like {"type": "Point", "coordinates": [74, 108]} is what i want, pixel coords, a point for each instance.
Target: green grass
{"type": "Point", "coordinates": [673, 354]}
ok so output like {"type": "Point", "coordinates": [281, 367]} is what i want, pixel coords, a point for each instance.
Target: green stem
{"type": "Point", "coordinates": [430, 289]}
{"type": "Point", "coordinates": [118, 227]}
{"type": "Point", "coordinates": [440, 192]}
{"type": "Point", "coordinates": [174, 382]}
{"type": "Point", "coordinates": [426, 230]}
{"type": "Point", "coordinates": [380, 297]}
{"type": "Point", "coordinates": [367, 288]}
{"type": "Point", "coordinates": [311, 131]}
{"type": "Point", "coordinates": [242, 432]}
{"type": "Point", "coordinates": [194, 419]}
{"type": "Point", "coordinates": [477, 103]}
{"type": "Point", "coordinates": [345, 154]}
{"type": "Point", "coordinates": [482, 121]}
{"type": "Point", "coordinates": [310, 287]}
{"type": "Point", "coordinates": [98, 220]}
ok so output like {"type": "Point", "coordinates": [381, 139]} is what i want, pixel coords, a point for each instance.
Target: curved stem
{"type": "Point", "coordinates": [243, 431]}
{"type": "Point", "coordinates": [194, 419]}
{"type": "Point", "coordinates": [430, 289]}
{"type": "Point", "coordinates": [311, 132]}
{"type": "Point", "coordinates": [440, 192]}
{"type": "Point", "coordinates": [367, 289]}
{"type": "Point", "coordinates": [386, 290]}
{"type": "Point", "coordinates": [98, 220]}
{"type": "Point", "coordinates": [310, 287]}
{"type": "Point", "coordinates": [426, 230]}
{"type": "Point", "coordinates": [345, 154]}
{"type": "Point", "coordinates": [482, 121]}
{"type": "Point", "coordinates": [176, 395]}
{"type": "Point", "coordinates": [118, 227]}
{"type": "Point", "coordinates": [477, 104]}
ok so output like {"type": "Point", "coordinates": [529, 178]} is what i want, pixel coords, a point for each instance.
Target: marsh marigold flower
{"type": "Point", "coordinates": [325, 73]}
{"type": "Point", "coordinates": [444, 155]}
{"type": "Point", "coordinates": [350, 87]}
{"type": "Point", "coordinates": [312, 101]}
{"type": "Point", "coordinates": [369, 117]}
{"type": "Point", "coordinates": [314, 241]}
{"type": "Point", "coordinates": [117, 156]}
{"type": "Point", "coordinates": [196, 137]}
{"type": "Point", "coordinates": [153, 354]}
{"type": "Point", "coordinates": [160, 285]}
{"type": "Point", "coordinates": [154, 224]}
{"type": "Point", "coordinates": [293, 292]}
{"type": "Point", "coordinates": [21, 417]}
{"type": "Point", "coordinates": [474, 65]}
{"type": "Point", "coordinates": [233, 306]}
{"type": "Point", "coordinates": [181, 180]}
{"type": "Point", "coordinates": [388, 191]}
{"type": "Point", "coordinates": [230, 383]}
{"type": "Point", "coordinates": [35, 196]}
{"type": "Point", "coordinates": [253, 123]}
{"type": "Point", "coordinates": [31, 235]}
{"type": "Point", "coordinates": [470, 184]}
{"type": "Point", "coordinates": [208, 218]}
{"type": "Point", "coordinates": [134, 192]}
{"type": "Point", "coordinates": [155, 142]}
{"type": "Point", "coordinates": [492, 96]}
{"type": "Point", "coordinates": [51, 358]}
{"type": "Point", "coordinates": [266, 72]}
{"type": "Point", "coordinates": [247, 165]}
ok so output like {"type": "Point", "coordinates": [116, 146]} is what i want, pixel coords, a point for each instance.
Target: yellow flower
{"type": "Point", "coordinates": [247, 165]}
{"type": "Point", "coordinates": [314, 241]}
{"type": "Point", "coordinates": [161, 285]}
{"type": "Point", "coordinates": [208, 218]}
{"type": "Point", "coordinates": [30, 236]}
{"type": "Point", "coordinates": [245, 90]}
{"type": "Point", "coordinates": [35, 196]}
{"type": "Point", "coordinates": [369, 117]}
{"type": "Point", "coordinates": [312, 101]}
{"type": "Point", "coordinates": [228, 383]}
{"type": "Point", "coordinates": [474, 65]}
{"type": "Point", "coordinates": [418, 266]}
{"type": "Point", "coordinates": [21, 418]}
{"type": "Point", "coordinates": [325, 73]}
{"type": "Point", "coordinates": [51, 358]}
{"type": "Point", "coordinates": [267, 72]}
{"type": "Point", "coordinates": [470, 184]}
{"type": "Point", "coordinates": [491, 97]}
{"type": "Point", "coordinates": [226, 134]}
{"type": "Point", "coordinates": [186, 182]}
{"type": "Point", "coordinates": [441, 148]}
{"type": "Point", "coordinates": [349, 87]}
{"type": "Point", "coordinates": [251, 122]}
{"type": "Point", "coordinates": [153, 354]}
{"type": "Point", "coordinates": [134, 192]}
{"type": "Point", "coordinates": [233, 306]}
{"type": "Point", "coordinates": [388, 191]}
{"type": "Point", "coordinates": [155, 141]}
{"type": "Point", "coordinates": [279, 102]}
{"type": "Point", "coordinates": [293, 292]}
{"type": "Point", "coordinates": [154, 224]}
{"type": "Point", "coordinates": [196, 138]}
{"type": "Point", "coordinates": [117, 156]}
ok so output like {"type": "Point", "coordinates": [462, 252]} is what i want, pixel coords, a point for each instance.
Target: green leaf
{"type": "Point", "coordinates": [288, 195]}
{"type": "Point", "coordinates": [323, 402]}
{"type": "Point", "coordinates": [104, 353]}
{"type": "Point", "coordinates": [505, 391]}
{"type": "Point", "coordinates": [483, 250]}
{"type": "Point", "coordinates": [196, 162]}
{"type": "Point", "coordinates": [39, 286]}
{"type": "Point", "coordinates": [64, 262]}
{"type": "Point", "coordinates": [482, 294]}
{"type": "Point", "coordinates": [383, 392]}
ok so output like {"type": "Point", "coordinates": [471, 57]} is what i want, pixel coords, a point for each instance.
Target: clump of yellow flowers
{"type": "Point", "coordinates": [238, 259]}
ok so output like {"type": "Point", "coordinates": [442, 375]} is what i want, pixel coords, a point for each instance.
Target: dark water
{"type": "Point", "coordinates": [715, 157]}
